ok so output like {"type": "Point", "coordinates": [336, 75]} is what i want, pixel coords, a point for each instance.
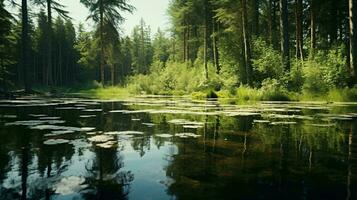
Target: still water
{"type": "Point", "coordinates": [176, 148]}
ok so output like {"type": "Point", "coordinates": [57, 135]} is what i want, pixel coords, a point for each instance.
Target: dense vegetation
{"type": "Point", "coordinates": [252, 50]}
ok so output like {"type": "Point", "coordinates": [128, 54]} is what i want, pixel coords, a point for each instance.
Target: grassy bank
{"type": "Point", "coordinates": [234, 95]}
{"type": "Point", "coordinates": [238, 95]}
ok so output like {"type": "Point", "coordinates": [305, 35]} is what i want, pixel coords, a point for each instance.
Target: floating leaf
{"type": "Point", "coordinates": [55, 141]}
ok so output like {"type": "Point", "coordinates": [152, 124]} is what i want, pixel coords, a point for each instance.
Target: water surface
{"type": "Point", "coordinates": [176, 148]}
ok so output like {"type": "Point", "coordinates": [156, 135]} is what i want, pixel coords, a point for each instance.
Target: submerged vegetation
{"type": "Point", "coordinates": [225, 49]}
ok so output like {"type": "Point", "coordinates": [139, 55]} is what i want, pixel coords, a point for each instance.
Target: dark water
{"type": "Point", "coordinates": [155, 148]}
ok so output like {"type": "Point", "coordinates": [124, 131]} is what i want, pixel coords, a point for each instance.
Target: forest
{"type": "Point", "coordinates": [242, 49]}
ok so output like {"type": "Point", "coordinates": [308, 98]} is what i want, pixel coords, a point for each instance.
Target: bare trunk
{"type": "Point", "coordinates": [25, 46]}
{"type": "Point", "coordinates": [184, 43]}
{"type": "Point", "coordinates": [215, 48]}
{"type": "Point", "coordinates": [246, 38]}
{"type": "Point", "coordinates": [353, 38]}
{"type": "Point", "coordinates": [312, 29]}
{"type": "Point", "coordinates": [270, 21]}
{"type": "Point", "coordinates": [205, 43]}
{"type": "Point", "coordinates": [299, 35]}
{"type": "Point", "coordinates": [284, 29]}
{"type": "Point", "coordinates": [49, 43]}
{"type": "Point", "coordinates": [102, 78]}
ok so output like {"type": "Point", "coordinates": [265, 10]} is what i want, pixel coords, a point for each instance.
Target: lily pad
{"type": "Point", "coordinates": [37, 115]}
{"type": "Point", "coordinates": [149, 124]}
{"type": "Point", "coordinates": [61, 132]}
{"type": "Point", "coordinates": [187, 135]}
{"type": "Point", "coordinates": [25, 123]}
{"type": "Point", "coordinates": [55, 141]}
{"type": "Point", "coordinates": [87, 116]}
{"type": "Point", "coordinates": [107, 145]}
{"type": "Point", "coordinates": [124, 133]}
{"type": "Point", "coordinates": [101, 138]}
{"type": "Point", "coordinates": [261, 121]}
{"type": "Point", "coordinates": [49, 118]}
{"type": "Point", "coordinates": [283, 123]}
{"type": "Point", "coordinates": [8, 116]}
{"type": "Point", "coordinates": [164, 135]}
{"type": "Point", "coordinates": [93, 110]}
{"type": "Point", "coordinates": [192, 126]}
{"type": "Point", "coordinates": [86, 129]}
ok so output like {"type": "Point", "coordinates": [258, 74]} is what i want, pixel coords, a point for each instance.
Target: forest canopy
{"type": "Point", "coordinates": [251, 49]}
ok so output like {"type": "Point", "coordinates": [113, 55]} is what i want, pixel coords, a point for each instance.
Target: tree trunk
{"type": "Point", "coordinates": [215, 47]}
{"type": "Point", "coordinates": [205, 42]}
{"type": "Point", "coordinates": [246, 40]}
{"type": "Point", "coordinates": [25, 46]}
{"type": "Point", "coordinates": [101, 10]}
{"type": "Point", "coordinates": [188, 43]}
{"type": "Point", "coordinates": [49, 43]}
{"type": "Point", "coordinates": [284, 29]}
{"type": "Point", "coordinates": [353, 38]}
{"type": "Point", "coordinates": [184, 43]}
{"type": "Point", "coordinates": [312, 29]}
{"type": "Point", "coordinates": [270, 20]}
{"type": "Point", "coordinates": [299, 33]}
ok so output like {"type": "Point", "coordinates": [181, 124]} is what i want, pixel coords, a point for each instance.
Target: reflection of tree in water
{"type": "Point", "coordinates": [194, 168]}
{"type": "Point", "coordinates": [105, 176]}
{"type": "Point", "coordinates": [141, 145]}
{"type": "Point", "coordinates": [4, 157]}
{"type": "Point", "coordinates": [276, 163]}
{"type": "Point", "coordinates": [52, 162]}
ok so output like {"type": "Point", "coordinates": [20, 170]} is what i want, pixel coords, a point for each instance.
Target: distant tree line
{"type": "Point", "coordinates": [296, 43]}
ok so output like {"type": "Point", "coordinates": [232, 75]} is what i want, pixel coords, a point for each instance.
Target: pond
{"type": "Point", "coordinates": [176, 148]}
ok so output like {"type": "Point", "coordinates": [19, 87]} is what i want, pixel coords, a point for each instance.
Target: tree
{"type": "Point", "coordinates": [246, 39]}
{"type": "Point", "coordinates": [6, 46]}
{"type": "Point", "coordinates": [312, 28]}
{"type": "Point", "coordinates": [141, 48]}
{"type": "Point", "coordinates": [353, 38]}
{"type": "Point", "coordinates": [299, 29]}
{"type": "Point", "coordinates": [160, 47]}
{"type": "Point", "coordinates": [25, 46]}
{"type": "Point", "coordinates": [284, 29]}
{"type": "Point", "coordinates": [102, 11]}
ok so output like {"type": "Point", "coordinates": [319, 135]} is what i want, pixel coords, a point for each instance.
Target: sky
{"type": "Point", "coordinates": [152, 11]}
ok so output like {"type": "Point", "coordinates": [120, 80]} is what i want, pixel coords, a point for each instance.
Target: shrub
{"type": "Point", "coordinates": [266, 61]}
{"type": "Point", "coordinates": [272, 90]}
{"type": "Point", "coordinates": [245, 93]}
{"type": "Point", "coordinates": [314, 79]}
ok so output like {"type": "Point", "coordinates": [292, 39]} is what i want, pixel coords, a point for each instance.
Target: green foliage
{"type": "Point", "coordinates": [245, 93]}
{"type": "Point", "coordinates": [7, 45]}
{"type": "Point", "coordinates": [142, 51]}
{"type": "Point", "coordinates": [266, 62]}
{"type": "Point", "coordinates": [272, 90]}
{"type": "Point", "coordinates": [326, 71]}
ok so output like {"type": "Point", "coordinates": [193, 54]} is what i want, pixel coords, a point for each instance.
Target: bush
{"type": "Point", "coordinates": [266, 62]}
{"type": "Point", "coordinates": [326, 71]}
{"type": "Point", "coordinates": [314, 80]}
{"type": "Point", "coordinates": [272, 90]}
{"type": "Point", "coordinates": [245, 93]}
